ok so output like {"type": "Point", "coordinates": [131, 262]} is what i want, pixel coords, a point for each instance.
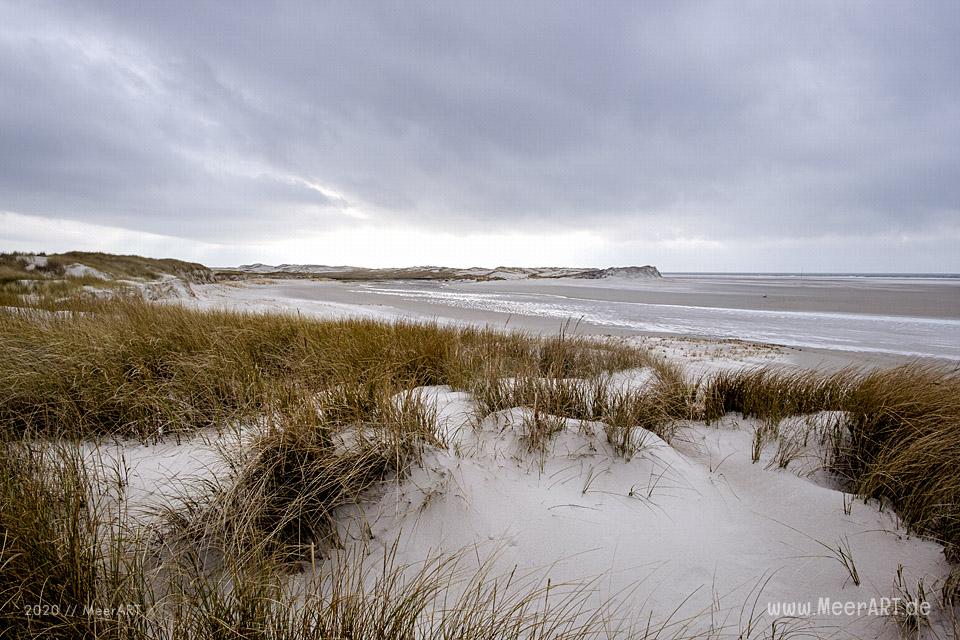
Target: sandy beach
{"type": "Point", "coordinates": [480, 321]}
{"type": "Point", "coordinates": [671, 467]}
{"type": "Point", "coordinates": [826, 320]}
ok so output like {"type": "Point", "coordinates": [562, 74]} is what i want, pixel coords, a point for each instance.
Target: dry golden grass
{"type": "Point", "coordinates": [62, 548]}
{"type": "Point", "coordinates": [337, 416]}
{"type": "Point", "coordinates": [280, 497]}
{"type": "Point", "coordinates": [49, 286]}
{"type": "Point", "coordinates": [119, 266]}
{"type": "Point", "coordinates": [899, 440]}
{"type": "Point", "coordinates": [69, 548]}
{"type": "Point", "coordinates": [136, 369]}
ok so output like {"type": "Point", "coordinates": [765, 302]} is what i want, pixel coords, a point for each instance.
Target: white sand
{"type": "Point", "coordinates": [692, 535]}
{"type": "Point", "coordinates": [261, 298]}
{"type": "Point", "coordinates": [77, 270]}
{"type": "Point", "coordinates": [693, 524]}
{"type": "Point", "coordinates": [689, 534]}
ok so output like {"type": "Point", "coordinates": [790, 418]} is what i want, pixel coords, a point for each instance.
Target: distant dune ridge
{"type": "Point", "coordinates": [439, 273]}
{"type": "Point", "coordinates": [646, 271]}
{"type": "Point", "coordinates": [105, 266]}
{"type": "Point", "coordinates": [50, 279]}
{"type": "Point", "coordinates": [97, 266]}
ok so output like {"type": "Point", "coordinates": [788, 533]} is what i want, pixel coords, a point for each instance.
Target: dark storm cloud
{"type": "Point", "coordinates": [715, 119]}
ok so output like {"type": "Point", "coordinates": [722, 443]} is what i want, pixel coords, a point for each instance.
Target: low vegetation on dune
{"type": "Point", "coordinates": [657, 406]}
{"type": "Point", "coordinates": [74, 565]}
{"type": "Point", "coordinates": [897, 440]}
{"type": "Point", "coordinates": [336, 414]}
{"type": "Point", "coordinates": [65, 280]}
{"type": "Point", "coordinates": [56, 265]}
{"type": "Point", "coordinates": [140, 370]}
{"type": "Point", "coordinates": [279, 498]}
{"type": "Point", "coordinates": [335, 411]}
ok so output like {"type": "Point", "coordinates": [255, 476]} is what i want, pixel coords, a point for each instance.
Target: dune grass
{"type": "Point", "coordinates": [55, 294]}
{"type": "Point", "coordinates": [282, 491]}
{"type": "Point", "coordinates": [335, 415]}
{"type": "Point", "coordinates": [898, 440]}
{"type": "Point", "coordinates": [44, 281]}
{"type": "Point", "coordinates": [654, 406]}
{"type": "Point", "coordinates": [64, 575]}
{"type": "Point", "coordinates": [73, 564]}
{"type": "Point", "coordinates": [14, 266]}
{"type": "Point", "coordinates": [62, 546]}
{"type": "Point", "coordinates": [773, 394]}
{"type": "Point", "coordinates": [135, 369]}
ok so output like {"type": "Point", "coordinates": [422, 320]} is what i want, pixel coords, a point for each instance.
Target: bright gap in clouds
{"type": "Point", "coordinates": [367, 245]}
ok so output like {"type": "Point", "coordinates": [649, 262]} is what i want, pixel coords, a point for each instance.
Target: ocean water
{"type": "Point", "coordinates": [812, 275]}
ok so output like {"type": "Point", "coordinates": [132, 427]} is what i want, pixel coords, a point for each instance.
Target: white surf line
{"type": "Point", "coordinates": [840, 315]}
{"type": "Point", "coordinates": [804, 329]}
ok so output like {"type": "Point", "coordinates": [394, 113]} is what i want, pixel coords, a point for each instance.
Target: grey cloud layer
{"type": "Point", "coordinates": [718, 119]}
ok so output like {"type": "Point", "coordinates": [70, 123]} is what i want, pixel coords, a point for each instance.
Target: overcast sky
{"type": "Point", "coordinates": [695, 136]}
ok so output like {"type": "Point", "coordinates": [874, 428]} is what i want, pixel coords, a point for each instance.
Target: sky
{"type": "Point", "coordinates": [697, 136]}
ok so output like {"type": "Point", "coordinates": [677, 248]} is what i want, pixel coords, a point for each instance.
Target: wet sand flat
{"type": "Point", "coordinates": [913, 297]}
{"type": "Point", "coordinates": [869, 318]}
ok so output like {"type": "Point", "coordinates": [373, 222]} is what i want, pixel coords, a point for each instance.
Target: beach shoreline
{"type": "Point", "coordinates": [672, 309]}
